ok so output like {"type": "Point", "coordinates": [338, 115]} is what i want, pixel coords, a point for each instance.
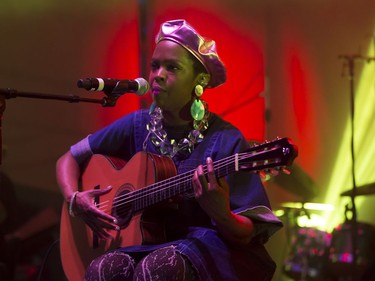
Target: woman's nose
{"type": "Point", "coordinates": [160, 73]}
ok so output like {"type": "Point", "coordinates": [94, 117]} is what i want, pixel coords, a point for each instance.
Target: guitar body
{"type": "Point", "coordinates": [77, 243]}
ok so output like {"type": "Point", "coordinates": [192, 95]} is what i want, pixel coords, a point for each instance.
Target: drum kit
{"type": "Point", "coordinates": [346, 254]}
{"type": "Point", "coordinates": [316, 254]}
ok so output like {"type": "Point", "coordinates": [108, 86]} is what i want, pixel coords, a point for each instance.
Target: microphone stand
{"type": "Point", "coordinates": [351, 59]}
{"type": "Point", "coordinates": [9, 93]}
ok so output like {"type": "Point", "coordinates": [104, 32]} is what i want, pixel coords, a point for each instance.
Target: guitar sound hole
{"type": "Point", "coordinates": [122, 208]}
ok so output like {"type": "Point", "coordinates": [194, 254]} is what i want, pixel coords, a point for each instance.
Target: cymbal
{"type": "Point", "coordinates": [308, 206]}
{"type": "Point", "coordinates": [297, 182]}
{"type": "Point", "coordinates": [366, 189]}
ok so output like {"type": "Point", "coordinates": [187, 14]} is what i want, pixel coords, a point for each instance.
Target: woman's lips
{"type": "Point", "coordinates": [156, 90]}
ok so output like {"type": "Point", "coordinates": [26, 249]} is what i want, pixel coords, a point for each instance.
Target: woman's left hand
{"type": "Point", "coordinates": [211, 193]}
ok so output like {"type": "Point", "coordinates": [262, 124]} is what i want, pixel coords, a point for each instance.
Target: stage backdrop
{"type": "Point", "coordinates": [285, 78]}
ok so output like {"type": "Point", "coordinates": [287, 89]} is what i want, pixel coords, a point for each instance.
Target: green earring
{"type": "Point", "coordinates": [197, 110]}
{"type": "Point", "coordinates": [198, 90]}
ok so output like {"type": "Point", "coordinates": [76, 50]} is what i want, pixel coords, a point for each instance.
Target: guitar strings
{"type": "Point", "coordinates": [158, 187]}
{"type": "Point", "coordinates": [164, 185]}
{"type": "Point", "coordinates": [155, 188]}
{"type": "Point", "coordinates": [138, 198]}
{"type": "Point", "coordinates": [182, 179]}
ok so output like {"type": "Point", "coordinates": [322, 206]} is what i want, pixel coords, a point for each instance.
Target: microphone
{"type": "Point", "coordinates": [111, 86]}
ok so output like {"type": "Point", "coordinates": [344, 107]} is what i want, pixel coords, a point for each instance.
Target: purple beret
{"type": "Point", "coordinates": [204, 49]}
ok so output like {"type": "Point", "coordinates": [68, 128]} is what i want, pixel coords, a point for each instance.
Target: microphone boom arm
{"type": "Point", "coordinates": [9, 93]}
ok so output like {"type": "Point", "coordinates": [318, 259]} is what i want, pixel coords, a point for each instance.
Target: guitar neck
{"type": "Point", "coordinates": [180, 184]}
{"type": "Point", "coordinates": [269, 155]}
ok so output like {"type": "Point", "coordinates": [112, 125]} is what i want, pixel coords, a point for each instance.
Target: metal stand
{"type": "Point", "coordinates": [350, 61]}
{"type": "Point", "coordinates": [9, 93]}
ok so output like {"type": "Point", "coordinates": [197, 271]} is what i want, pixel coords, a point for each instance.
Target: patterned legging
{"type": "Point", "coordinates": [162, 264]}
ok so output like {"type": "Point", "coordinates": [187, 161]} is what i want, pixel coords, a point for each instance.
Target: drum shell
{"type": "Point", "coordinates": [308, 254]}
{"type": "Point", "coordinates": [340, 251]}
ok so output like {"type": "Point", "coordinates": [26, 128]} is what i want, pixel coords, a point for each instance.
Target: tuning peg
{"type": "Point", "coordinates": [273, 172]}
{"type": "Point", "coordinates": [264, 176]}
{"type": "Point", "coordinates": [286, 171]}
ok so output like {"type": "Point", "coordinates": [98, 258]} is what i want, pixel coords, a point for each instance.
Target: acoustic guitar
{"type": "Point", "coordinates": [145, 181]}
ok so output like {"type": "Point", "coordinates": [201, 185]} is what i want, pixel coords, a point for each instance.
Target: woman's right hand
{"type": "Point", "coordinates": [99, 221]}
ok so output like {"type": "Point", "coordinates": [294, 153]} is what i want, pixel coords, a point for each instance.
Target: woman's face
{"type": "Point", "coordinates": [172, 77]}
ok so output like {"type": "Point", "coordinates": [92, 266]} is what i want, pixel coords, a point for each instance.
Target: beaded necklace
{"type": "Point", "coordinates": [159, 137]}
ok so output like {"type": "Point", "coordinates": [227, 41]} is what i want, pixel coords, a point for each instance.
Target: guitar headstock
{"type": "Point", "coordinates": [270, 155]}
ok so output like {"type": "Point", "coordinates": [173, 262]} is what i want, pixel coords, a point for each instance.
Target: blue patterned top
{"type": "Point", "coordinates": [187, 226]}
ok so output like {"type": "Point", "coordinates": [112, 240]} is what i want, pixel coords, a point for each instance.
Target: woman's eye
{"type": "Point", "coordinates": [154, 65]}
{"type": "Point", "coordinates": [172, 67]}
